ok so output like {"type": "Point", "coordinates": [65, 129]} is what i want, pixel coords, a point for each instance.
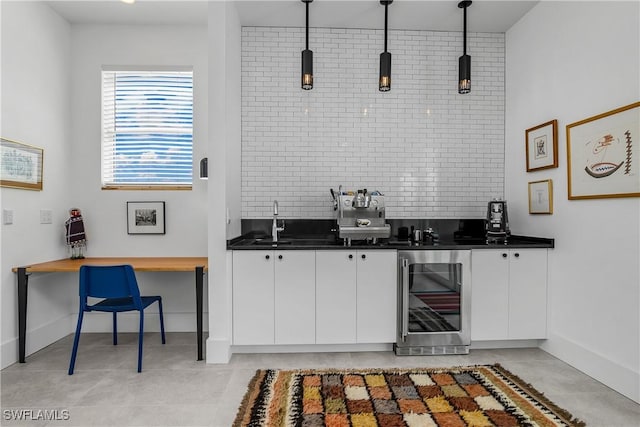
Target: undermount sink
{"type": "Point", "coordinates": [291, 241]}
{"type": "Point", "coordinates": [312, 242]}
{"type": "Point", "coordinates": [269, 242]}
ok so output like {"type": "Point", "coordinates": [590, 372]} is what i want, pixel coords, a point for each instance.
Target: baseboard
{"type": "Point", "coordinates": [620, 378]}
{"type": "Point", "coordinates": [485, 345]}
{"type": "Point", "coordinates": [218, 351]}
{"type": "Point", "coordinates": [37, 339]}
{"type": "Point", "coordinates": [128, 322]}
{"type": "Point", "coordinates": [47, 334]}
{"type": "Point", "coordinates": [310, 348]}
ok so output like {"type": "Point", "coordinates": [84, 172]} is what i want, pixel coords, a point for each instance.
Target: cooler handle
{"type": "Point", "coordinates": [405, 298]}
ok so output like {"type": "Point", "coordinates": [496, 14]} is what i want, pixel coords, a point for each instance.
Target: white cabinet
{"type": "Point", "coordinates": [336, 297]}
{"type": "Point", "coordinates": [253, 294]}
{"type": "Point", "coordinates": [528, 294]}
{"type": "Point", "coordinates": [509, 294]}
{"type": "Point", "coordinates": [273, 297]}
{"type": "Point", "coordinates": [377, 293]}
{"type": "Point", "coordinates": [314, 297]}
{"type": "Point", "coordinates": [356, 294]}
{"type": "Point", "coordinates": [295, 286]}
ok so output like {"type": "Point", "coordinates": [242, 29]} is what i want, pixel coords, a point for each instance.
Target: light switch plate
{"type": "Point", "coordinates": [7, 216]}
{"type": "Point", "coordinates": [46, 216]}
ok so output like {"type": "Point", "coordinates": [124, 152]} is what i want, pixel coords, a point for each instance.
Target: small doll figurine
{"type": "Point", "coordinates": [74, 233]}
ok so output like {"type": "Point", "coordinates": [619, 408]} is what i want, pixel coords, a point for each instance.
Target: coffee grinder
{"type": "Point", "coordinates": [497, 225]}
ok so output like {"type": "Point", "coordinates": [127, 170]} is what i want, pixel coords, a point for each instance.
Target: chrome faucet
{"type": "Point", "coordinates": [274, 226]}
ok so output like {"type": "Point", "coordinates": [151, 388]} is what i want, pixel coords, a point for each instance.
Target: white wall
{"type": "Point", "coordinates": [433, 152]}
{"type": "Point", "coordinates": [35, 110]}
{"type": "Point", "coordinates": [104, 211]}
{"type": "Point", "coordinates": [51, 99]}
{"type": "Point", "coordinates": [224, 170]}
{"type": "Point", "coordinates": [570, 66]}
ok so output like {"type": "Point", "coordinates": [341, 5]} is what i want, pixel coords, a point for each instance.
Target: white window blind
{"type": "Point", "coordinates": [147, 128]}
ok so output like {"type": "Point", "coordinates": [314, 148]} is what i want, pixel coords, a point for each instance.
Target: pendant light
{"type": "Point", "coordinates": [464, 63]}
{"type": "Point", "coordinates": [385, 57]}
{"type": "Point", "coordinates": [307, 57]}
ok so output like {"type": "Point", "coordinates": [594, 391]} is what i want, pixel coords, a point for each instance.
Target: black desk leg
{"type": "Point", "coordinates": [199, 298]}
{"type": "Point", "coordinates": [23, 280]}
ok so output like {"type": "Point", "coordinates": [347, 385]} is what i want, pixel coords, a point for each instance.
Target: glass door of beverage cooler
{"type": "Point", "coordinates": [434, 312]}
{"type": "Point", "coordinates": [435, 297]}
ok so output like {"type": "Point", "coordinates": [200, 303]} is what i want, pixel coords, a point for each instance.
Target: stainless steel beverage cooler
{"type": "Point", "coordinates": [434, 302]}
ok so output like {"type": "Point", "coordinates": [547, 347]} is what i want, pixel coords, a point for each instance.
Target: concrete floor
{"type": "Point", "coordinates": [176, 390]}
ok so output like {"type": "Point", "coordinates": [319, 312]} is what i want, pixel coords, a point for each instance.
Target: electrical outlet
{"type": "Point", "coordinates": [7, 216]}
{"type": "Point", "coordinates": [46, 216]}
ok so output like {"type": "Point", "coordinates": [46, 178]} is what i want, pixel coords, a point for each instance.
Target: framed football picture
{"type": "Point", "coordinates": [603, 155]}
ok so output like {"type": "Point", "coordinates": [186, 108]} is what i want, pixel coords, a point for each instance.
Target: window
{"type": "Point", "coordinates": [147, 129]}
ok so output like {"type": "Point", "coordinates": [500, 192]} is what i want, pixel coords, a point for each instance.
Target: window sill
{"type": "Point", "coordinates": [148, 187]}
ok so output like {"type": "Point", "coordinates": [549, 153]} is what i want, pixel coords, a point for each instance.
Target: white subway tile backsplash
{"type": "Point", "coordinates": [433, 152]}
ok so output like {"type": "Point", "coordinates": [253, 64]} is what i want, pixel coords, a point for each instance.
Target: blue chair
{"type": "Point", "coordinates": [118, 286]}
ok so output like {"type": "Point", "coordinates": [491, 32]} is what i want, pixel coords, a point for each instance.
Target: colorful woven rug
{"type": "Point", "coordinates": [443, 397]}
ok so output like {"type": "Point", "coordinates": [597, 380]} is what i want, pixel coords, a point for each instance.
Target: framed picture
{"type": "Point", "coordinates": [541, 197]}
{"type": "Point", "coordinates": [542, 146]}
{"type": "Point", "coordinates": [21, 165]}
{"type": "Point", "coordinates": [603, 155]}
{"type": "Point", "coordinates": [145, 218]}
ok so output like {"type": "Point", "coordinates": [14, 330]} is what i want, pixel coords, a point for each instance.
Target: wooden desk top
{"type": "Point", "coordinates": [138, 263]}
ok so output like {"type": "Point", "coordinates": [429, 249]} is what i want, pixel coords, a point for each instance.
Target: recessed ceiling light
{"type": "Point", "coordinates": [128, 1]}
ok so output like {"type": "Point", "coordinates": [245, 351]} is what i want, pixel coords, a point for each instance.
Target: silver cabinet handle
{"type": "Point", "coordinates": [405, 298]}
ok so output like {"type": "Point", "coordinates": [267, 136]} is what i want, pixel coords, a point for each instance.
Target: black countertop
{"type": "Point", "coordinates": [251, 241]}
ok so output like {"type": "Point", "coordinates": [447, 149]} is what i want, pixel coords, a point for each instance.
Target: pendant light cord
{"type": "Point", "coordinates": [386, 17]}
{"type": "Point", "coordinates": [307, 32]}
{"type": "Point", "coordinates": [464, 42]}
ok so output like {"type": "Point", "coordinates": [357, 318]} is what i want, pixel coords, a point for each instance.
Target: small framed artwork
{"type": "Point", "coordinates": [21, 165]}
{"type": "Point", "coordinates": [541, 197]}
{"type": "Point", "coordinates": [603, 155]}
{"type": "Point", "coordinates": [542, 146]}
{"type": "Point", "coordinates": [145, 218]}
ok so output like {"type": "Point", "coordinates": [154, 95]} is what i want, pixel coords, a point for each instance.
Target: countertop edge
{"type": "Point", "coordinates": [514, 242]}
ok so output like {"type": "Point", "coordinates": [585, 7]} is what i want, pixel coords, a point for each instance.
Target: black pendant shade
{"type": "Point", "coordinates": [307, 69]}
{"type": "Point", "coordinates": [385, 72]}
{"type": "Point", "coordinates": [307, 56]}
{"type": "Point", "coordinates": [464, 74]}
{"type": "Point", "coordinates": [464, 63]}
{"type": "Point", "coordinates": [385, 57]}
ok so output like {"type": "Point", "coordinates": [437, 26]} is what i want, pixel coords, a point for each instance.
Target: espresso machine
{"type": "Point", "coordinates": [361, 216]}
{"type": "Point", "coordinates": [497, 224]}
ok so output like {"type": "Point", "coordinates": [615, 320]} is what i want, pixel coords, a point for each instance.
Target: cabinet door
{"type": "Point", "coordinates": [253, 295]}
{"type": "Point", "coordinates": [377, 291]}
{"type": "Point", "coordinates": [335, 297]}
{"type": "Point", "coordinates": [295, 295]}
{"type": "Point", "coordinates": [527, 293]}
{"type": "Point", "coordinates": [489, 294]}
